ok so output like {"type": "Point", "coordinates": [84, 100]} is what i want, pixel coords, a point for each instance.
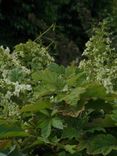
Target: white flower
{"type": "Point", "coordinates": [7, 50]}
{"type": "Point", "coordinates": [102, 59]}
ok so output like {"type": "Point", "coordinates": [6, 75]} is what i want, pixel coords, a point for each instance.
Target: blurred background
{"type": "Point", "coordinates": [63, 25]}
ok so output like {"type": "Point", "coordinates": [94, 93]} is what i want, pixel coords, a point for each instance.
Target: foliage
{"type": "Point", "coordinates": [32, 55]}
{"type": "Point", "coordinates": [101, 62]}
{"type": "Point", "coordinates": [15, 79]}
{"type": "Point", "coordinates": [53, 110]}
{"type": "Point", "coordinates": [49, 109]}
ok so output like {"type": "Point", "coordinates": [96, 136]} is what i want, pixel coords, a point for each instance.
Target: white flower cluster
{"type": "Point", "coordinates": [101, 63]}
{"type": "Point", "coordinates": [13, 110]}
{"type": "Point", "coordinates": [21, 88]}
{"type": "Point", "coordinates": [9, 88]}
{"type": "Point", "coordinates": [32, 55]}
{"type": "Point", "coordinates": [15, 75]}
{"type": "Point", "coordinates": [7, 50]}
{"type": "Point", "coordinates": [10, 109]}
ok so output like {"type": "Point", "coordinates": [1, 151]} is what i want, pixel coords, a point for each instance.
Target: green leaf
{"type": "Point", "coordinates": [94, 90]}
{"type": "Point", "coordinates": [36, 107]}
{"type": "Point", "coordinates": [46, 130]}
{"type": "Point", "coordinates": [44, 90]}
{"type": "Point", "coordinates": [75, 79]}
{"type": "Point", "coordinates": [70, 71]}
{"type": "Point", "coordinates": [48, 77]}
{"type": "Point", "coordinates": [55, 140]}
{"type": "Point", "coordinates": [114, 116]}
{"type": "Point", "coordinates": [102, 122]}
{"type": "Point", "coordinates": [45, 124]}
{"type": "Point", "coordinates": [57, 123]}
{"type": "Point", "coordinates": [102, 144]}
{"type": "Point", "coordinates": [11, 130]}
{"type": "Point", "coordinates": [98, 129]}
{"type": "Point", "coordinates": [36, 76]}
{"type": "Point", "coordinates": [70, 148]}
{"type": "Point", "coordinates": [11, 134]}
{"type": "Point", "coordinates": [59, 69]}
{"type": "Point", "coordinates": [51, 83]}
{"type": "Point", "coordinates": [15, 74]}
{"type": "Point", "coordinates": [70, 133]}
{"type": "Point", "coordinates": [74, 96]}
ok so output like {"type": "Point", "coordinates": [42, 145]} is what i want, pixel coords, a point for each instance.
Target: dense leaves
{"type": "Point", "coordinates": [49, 109]}
{"type": "Point", "coordinates": [100, 64]}
{"type": "Point", "coordinates": [63, 110]}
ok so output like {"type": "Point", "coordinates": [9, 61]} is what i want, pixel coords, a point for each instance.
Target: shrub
{"type": "Point", "coordinates": [47, 109]}
{"type": "Point", "coordinates": [15, 81]}
{"type": "Point", "coordinates": [32, 55]}
{"type": "Point", "coordinates": [101, 62]}
{"type": "Point", "coordinates": [66, 115]}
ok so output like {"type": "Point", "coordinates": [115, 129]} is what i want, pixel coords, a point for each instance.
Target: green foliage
{"type": "Point", "coordinates": [52, 107]}
{"type": "Point", "coordinates": [101, 144]}
{"type": "Point", "coordinates": [32, 55]}
{"type": "Point", "coordinates": [101, 62]}
{"type": "Point", "coordinates": [49, 109]}
{"type": "Point", "coordinates": [15, 79]}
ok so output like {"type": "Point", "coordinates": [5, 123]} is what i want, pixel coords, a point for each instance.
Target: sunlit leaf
{"type": "Point", "coordinates": [57, 123]}
{"type": "Point", "coordinates": [102, 144]}
{"type": "Point", "coordinates": [36, 106]}
{"type": "Point", "coordinates": [70, 148]}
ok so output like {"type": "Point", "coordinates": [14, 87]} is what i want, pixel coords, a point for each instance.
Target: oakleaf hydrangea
{"type": "Point", "coordinates": [101, 62]}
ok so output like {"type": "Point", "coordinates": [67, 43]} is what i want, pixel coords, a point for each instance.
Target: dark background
{"type": "Point", "coordinates": [21, 20]}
